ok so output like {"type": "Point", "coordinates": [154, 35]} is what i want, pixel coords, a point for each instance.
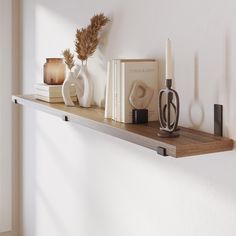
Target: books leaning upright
{"type": "Point", "coordinates": [121, 78]}
{"type": "Point", "coordinates": [52, 93]}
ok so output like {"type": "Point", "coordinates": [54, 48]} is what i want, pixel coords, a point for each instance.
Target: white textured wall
{"type": "Point", "coordinates": [79, 182]}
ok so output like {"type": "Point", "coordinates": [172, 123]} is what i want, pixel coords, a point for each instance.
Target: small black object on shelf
{"type": "Point", "coordinates": [218, 120]}
{"type": "Point", "coordinates": [139, 116]}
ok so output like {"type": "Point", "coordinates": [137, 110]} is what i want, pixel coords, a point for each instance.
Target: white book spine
{"type": "Point", "coordinates": [108, 99]}
{"type": "Point", "coordinates": [118, 91]}
{"type": "Point", "coordinates": [113, 90]}
{"type": "Point", "coordinates": [122, 92]}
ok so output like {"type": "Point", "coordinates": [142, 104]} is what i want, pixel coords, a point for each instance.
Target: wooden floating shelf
{"type": "Point", "coordinates": [189, 143]}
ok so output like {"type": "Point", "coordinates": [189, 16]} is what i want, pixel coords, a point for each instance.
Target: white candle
{"type": "Point", "coordinates": [169, 67]}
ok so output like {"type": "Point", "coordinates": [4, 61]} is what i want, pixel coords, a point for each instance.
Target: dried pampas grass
{"type": "Point", "coordinates": [87, 38]}
{"type": "Point", "coordinates": [69, 58]}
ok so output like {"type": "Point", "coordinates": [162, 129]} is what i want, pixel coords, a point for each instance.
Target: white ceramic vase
{"type": "Point", "coordinates": [71, 79]}
{"type": "Point", "coordinates": [87, 96]}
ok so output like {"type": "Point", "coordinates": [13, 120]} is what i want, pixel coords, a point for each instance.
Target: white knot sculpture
{"type": "Point", "coordinates": [72, 79]}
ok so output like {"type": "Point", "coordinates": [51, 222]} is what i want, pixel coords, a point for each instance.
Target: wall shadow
{"type": "Point", "coordinates": [196, 110]}
{"type": "Point", "coordinates": [226, 84]}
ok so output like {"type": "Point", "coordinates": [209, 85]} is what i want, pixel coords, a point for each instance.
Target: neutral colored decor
{"type": "Point", "coordinates": [131, 83]}
{"type": "Point", "coordinates": [69, 81]}
{"type": "Point", "coordinates": [168, 101]}
{"type": "Point", "coordinates": [86, 42]}
{"type": "Point", "coordinates": [87, 95]}
{"type": "Point", "coordinates": [72, 79]}
{"type": "Point", "coordinates": [54, 71]}
{"type": "Point", "coordinates": [52, 93]}
{"type": "Point", "coordinates": [141, 95]}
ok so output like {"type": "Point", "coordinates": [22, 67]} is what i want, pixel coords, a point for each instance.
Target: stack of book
{"type": "Point", "coordinates": [121, 76]}
{"type": "Point", "coordinates": [52, 93]}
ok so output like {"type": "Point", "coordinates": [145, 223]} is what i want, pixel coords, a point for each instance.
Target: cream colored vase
{"type": "Point", "coordinates": [87, 96]}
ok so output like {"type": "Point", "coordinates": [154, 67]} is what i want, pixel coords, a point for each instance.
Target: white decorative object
{"type": "Point", "coordinates": [87, 96]}
{"type": "Point", "coordinates": [140, 95]}
{"type": "Point", "coordinates": [169, 62]}
{"type": "Point", "coordinates": [121, 76]}
{"type": "Point", "coordinates": [72, 79]}
{"type": "Point", "coordinates": [80, 78]}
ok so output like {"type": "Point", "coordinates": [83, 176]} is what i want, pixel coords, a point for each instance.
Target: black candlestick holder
{"type": "Point", "coordinates": [168, 111]}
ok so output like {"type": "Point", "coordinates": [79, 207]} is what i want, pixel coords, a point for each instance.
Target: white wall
{"type": "Point", "coordinates": [5, 115]}
{"type": "Point", "coordinates": [9, 154]}
{"type": "Point", "coordinates": [79, 182]}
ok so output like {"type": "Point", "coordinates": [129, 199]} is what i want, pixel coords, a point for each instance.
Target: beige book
{"type": "Point", "coordinates": [53, 99]}
{"type": "Point", "coordinates": [145, 71]}
{"type": "Point", "coordinates": [51, 90]}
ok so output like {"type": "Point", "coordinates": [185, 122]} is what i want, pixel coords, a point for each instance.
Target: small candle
{"type": "Point", "coordinates": [169, 67]}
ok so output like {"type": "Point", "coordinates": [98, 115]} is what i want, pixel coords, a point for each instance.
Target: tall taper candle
{"type": "Point", "coordinates": [169, 67]}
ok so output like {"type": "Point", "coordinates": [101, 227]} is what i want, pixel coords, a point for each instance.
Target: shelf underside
{"type": "Point", "coordinates": [189, 143]}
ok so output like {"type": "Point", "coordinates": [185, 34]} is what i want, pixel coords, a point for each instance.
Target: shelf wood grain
{"type": "Point", "coordinates": [189, 143]}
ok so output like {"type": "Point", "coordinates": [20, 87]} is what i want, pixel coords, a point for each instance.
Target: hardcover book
{"type": "Point", "coordinates": [124, 77]}
{"type": "Point", "coordinates": [51, 90]}
{"type": "Point", "coordinates": [53, 99]}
